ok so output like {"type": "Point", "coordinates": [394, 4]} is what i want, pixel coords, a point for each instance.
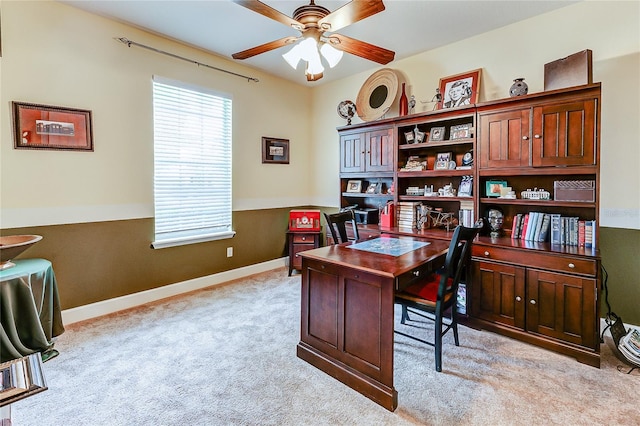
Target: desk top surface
{"type": "Point", "coordinates": [378, 263]}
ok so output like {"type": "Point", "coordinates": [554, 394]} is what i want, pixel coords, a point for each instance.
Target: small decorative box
{"type": "Point", "coordinates": [304, 220]}
{"type": "Point", "coordinates": [575, 190]}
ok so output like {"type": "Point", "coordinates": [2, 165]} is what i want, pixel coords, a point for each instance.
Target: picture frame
{"type": "Point", "coordinates": [436, 134]}
{"type": "Point", "coordinates": [419, 136]}
{"type": "Point", "coordinates": [354, 186]}
{"type": "Point", "coordinates": [372, 188]}
{"type": "Point", "coordinates": [442, 161]}
{"type": "Point", "coordinates": [409, 137]}
{"type": "Point", "coordinates": [466, 186]}
{"type": "Point", "coordinates": [460, 89]}
{"type": "Point", "coordinates": [37, 126]}
{"type": "Point", "coordinates": [493, 187]}
{"type": "Point", "coordinates": [460, 131]}
{"type": "Point", "coordinates": [275, 151]}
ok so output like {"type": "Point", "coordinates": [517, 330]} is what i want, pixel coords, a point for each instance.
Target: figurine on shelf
{"type": "Point", "coordinates": [447, 191]}
{"type": "Point", "coordinates": [495, 218]}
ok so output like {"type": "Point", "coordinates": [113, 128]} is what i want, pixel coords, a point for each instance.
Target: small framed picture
{"type": "Point", "coordinates": [436, 134]}
{"type": "Point", "coordinates": [372, 188]}
{"type": "Point", "coordinates": [466, 186]}
{"type": "Point", "coordinates": [275, 151]}
{"type": "Point", "coordinates": [354, 186]}
{"type": "Point", "coordinates": [409, 137]}
{"type": "Point", "coordinates": [494, 187]}
{"type": "Point", "coordinates": [419, 136]}
{"type": "Point", "coordinates": [442, 161]}
{"type": "Point", "coordinates": [461, 131]}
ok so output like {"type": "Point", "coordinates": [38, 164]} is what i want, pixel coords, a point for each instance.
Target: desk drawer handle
{"type": "Point", "coordinates": [571, 265]}
{"type": "Point", "coordinates": [416, 273]}
{"type": "Point", "coordinates": [533, 302]}
{"type": "Point", "coordinates": [486, 253]}
{"type": "Point", "coordinates": [304, 238]}
{"type": "Point", "coordinates": [518, 298]}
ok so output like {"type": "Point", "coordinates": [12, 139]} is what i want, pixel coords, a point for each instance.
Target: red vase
{"type": "Point", "coordinates": [404, 102]}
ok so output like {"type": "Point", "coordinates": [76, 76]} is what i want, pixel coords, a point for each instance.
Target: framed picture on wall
{"type": "Point", "coordinates": [275, 151]}
{"type": "Point", "coordinates": [51, 127]}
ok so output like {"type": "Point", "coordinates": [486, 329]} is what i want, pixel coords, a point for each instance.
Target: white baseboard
{"type": "Point", "coordinates": [105, 307]}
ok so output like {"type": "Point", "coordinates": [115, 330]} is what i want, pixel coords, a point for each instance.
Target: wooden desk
{"type": "Point", "coordinates": [347, 313]}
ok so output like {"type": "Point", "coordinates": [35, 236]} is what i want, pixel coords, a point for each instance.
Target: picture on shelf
{"type": "Point", "coordinates": [494, 187]}
{"type": "Point", "coordinates": [372, 188]}
{"type": "Point", "coordinates": [442, 161]}
{"type": "Point", "coordinates": [466, 186]}
{"type": "Point", "coordinates": [419, 136]}
{"type": "Point", "coordinates": [436, 134]}
{"type": "Point", "coordinates": [409, 137]}
{"type": "Point", "coordinates": [461, 131]}
{"type": "Point", "coordinates": [354, 186]}
{"type": "Point", "coordinates": [460, 89]}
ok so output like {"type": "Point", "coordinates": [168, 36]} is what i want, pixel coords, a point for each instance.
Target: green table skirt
{"type": "Point", "coordinates": [29, 309]}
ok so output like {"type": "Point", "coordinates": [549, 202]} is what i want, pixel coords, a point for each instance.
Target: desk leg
{"type": "Point", "coordinates": [347, 328]}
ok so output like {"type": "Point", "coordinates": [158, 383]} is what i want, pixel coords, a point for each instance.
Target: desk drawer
{"type": "Point", "coordinates": [566, 264]}
{"type": "Point", "coordinates": [413, 276]}
{"type": "Point", "coordinates": [303, 238]}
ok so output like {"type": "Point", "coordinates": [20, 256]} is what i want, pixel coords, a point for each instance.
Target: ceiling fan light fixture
{"type": "Point", "coordinates": [314, 66]}
{"type": "Point", "coordinates": [331, 54]}
{"type": "Point", "coordinates": [293, 56]}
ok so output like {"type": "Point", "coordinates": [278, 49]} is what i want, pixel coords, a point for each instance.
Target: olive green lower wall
{"type": "Point", "coordinates": [620, 250]}
{"type": "Point", "coordinates": [99, 261]}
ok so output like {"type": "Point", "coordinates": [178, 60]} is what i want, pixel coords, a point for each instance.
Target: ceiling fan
{"type": "Point", "coordinates": [314, 22]}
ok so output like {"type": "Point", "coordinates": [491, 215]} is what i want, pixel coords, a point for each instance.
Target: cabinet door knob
{"type": "Point", "coordinates": [537, 136]}
{"type": "Point", "coordinates": [525, 138]}
{"type": "Point", "coordinates": [518, 298]}
{"type": "Point", "coordinates": [416, 273]}
{"type": "Point", "coordinates": [486, 253]}
{"type": "Point", "coordinates": [304, 238]}
{"type": "Point", "coordinates": [571, 265]}
{"type": "Point", "coordinates": [533, 302]}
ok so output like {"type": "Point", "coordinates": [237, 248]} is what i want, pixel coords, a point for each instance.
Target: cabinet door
{"type": "Point", "coordinates": [564, 134]}
{"type": "Point", "coordinates": [352, 149]}
{"type": "Point", "coordinates": [504, 139]}
{"type": "Point", "coordinates": [379, 153]}
{"type": "Point", "coordinates": [498, 293]}
{"type": "Point", "coordinates": [562, 307]}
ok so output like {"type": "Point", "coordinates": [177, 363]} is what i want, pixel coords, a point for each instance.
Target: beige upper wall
{"type": "Point", "coordinates": [610, 29]}
{"type": "Point", "coordinates": [55, 54]}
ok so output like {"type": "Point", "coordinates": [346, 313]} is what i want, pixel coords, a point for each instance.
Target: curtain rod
{"type": "Point", "coordinates": [129, 43]}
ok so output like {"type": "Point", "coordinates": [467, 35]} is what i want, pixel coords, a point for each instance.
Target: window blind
{"type": "Point", "coordinates": [192, 164]}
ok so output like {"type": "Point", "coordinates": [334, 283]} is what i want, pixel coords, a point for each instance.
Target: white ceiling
{"type": "Point", "coordinates": [406, 27]}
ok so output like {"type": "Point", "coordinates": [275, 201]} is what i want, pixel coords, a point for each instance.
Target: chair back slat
{"type": "Point", "coordinates": [337, 225]}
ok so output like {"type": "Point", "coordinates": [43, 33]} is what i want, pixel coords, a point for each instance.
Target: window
{"type": "Point", "coordinates": [192, 164]}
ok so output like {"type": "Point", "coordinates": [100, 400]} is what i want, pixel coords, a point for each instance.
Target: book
{"type": "Point", "coordinates": [555, 228]}
{"type": "Point", "coordinates": [515, 226]}
{"type": "Point", "coordinates": [525, 225]}
{"type": "Point", "coordinates": [531, 227]}
{"type": "Point", "coordinates": [544, 229]}
{"type": "Point", "coordinates": [539, 220]}
{"type": "Point", "coordinates": [588, 234]}
{"type": "Point", "coordinates": [581, 233]}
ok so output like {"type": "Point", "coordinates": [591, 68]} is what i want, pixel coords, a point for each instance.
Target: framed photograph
{"type": "Point", "coordinates": [461, 131]}
{"type": "Point", "coordinates": [460, 89]}
{"type": "Point", "coordinates": [419, 136]}
{"type": "Point", "coordinates": [275, 151]}
{"type": "Point", "coordinates": [51, 127]}
{"type": "Point", "coordinates": [409, 137]}
{"type": "Point", "coordinates": [466, 186]}
{"type": "Point", "coordinates": [436, 134]}
{"type": "Point", "coordinates": [442, 161]}
{"type": "Point", "coordinates": [372, 188]}
{"type": "Point", "coordinates": [354, 186]}
{"type": "Point", "coordinates": [493, 187]}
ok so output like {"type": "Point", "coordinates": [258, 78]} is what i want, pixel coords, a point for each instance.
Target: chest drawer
{"type": "Point", "coordinates": [303, 238]}
{"type": "Point", "coordinates": [413, 276]}
{"type": "Point", "coordinates": [565, 264]}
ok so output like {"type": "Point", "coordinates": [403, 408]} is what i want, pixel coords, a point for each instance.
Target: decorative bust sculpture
{"type": "Point", "coordinates": [495, 217]}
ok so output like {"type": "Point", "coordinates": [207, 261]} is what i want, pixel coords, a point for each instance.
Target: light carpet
{"type": "Point", "coordinates": [226, 355]}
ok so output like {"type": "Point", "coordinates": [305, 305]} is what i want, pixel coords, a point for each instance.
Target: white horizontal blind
{"type": "Point", "coordinates": [192, 164]}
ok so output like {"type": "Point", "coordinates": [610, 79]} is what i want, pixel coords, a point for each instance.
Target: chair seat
{"type": "Point", "coordinates": [425, 292]}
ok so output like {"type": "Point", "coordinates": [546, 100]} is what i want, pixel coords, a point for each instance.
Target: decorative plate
{"type": "Point", "coordinates": [377, 94]}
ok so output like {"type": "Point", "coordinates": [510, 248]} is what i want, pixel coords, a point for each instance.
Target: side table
{"type": "Point", "coordinates": [30, 306]}
{"type": "Point", "coordinates": [298, 241]}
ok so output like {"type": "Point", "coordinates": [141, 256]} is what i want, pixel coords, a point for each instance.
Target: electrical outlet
{"type": "Point", "coordinates": [229, 251]}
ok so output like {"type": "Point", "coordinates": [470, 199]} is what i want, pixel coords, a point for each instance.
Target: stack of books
{"type": "Point", "coordinates": [20, 378]}
{"type": "Point", "coordinates": [407, 214]}
{"type": "Point", "coordinates": [465, 215]}
{"type": "Point", "coordinates": [554, 228]}
{"type": "Point", "coordinates": [629, 346]}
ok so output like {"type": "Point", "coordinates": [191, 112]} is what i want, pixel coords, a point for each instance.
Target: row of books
{"type": "Point", "coordinates": [554, 228]}
{"type": "Point", "coordinates": [20, 378]}
{"type": "Point", "coordinates": [629, 346]}
{"type": "Point", "coordinates": [407, 213]}
{"type": "Point", "coordinates": [465, 215]}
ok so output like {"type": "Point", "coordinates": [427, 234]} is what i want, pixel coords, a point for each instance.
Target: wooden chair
{"type": "Point", "coordinates": [433, 296]}
{"type": "Point", "coordinates": [337, 225]}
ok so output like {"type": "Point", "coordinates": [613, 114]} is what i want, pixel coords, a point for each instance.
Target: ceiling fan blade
{"type": "Point", "coordinates": [264, 47]}
{"type": "Point", "coordinates": [269, 12]}
{"type": "Point", "coordinates": [351, 12]}
{"type": "Point", "coordinates": [362, 49]}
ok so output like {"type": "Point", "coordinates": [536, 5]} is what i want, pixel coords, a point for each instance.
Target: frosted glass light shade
{"type": "Point", "coordinates": [331, 54]}
{"type": "Point", "coordinates": [293, 56]}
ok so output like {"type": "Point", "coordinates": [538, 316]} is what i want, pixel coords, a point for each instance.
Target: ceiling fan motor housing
{"type": "Point", "coordinates": [310, 14]}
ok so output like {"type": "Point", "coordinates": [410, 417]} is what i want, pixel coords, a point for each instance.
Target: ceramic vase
{"type": "Point", "coordinates": [404, 102]}
{"type": "Point", "coordinates": [518, 88]}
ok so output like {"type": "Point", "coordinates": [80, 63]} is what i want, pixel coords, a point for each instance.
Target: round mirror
{"type": "Point", "coordinates": [377, 94]}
